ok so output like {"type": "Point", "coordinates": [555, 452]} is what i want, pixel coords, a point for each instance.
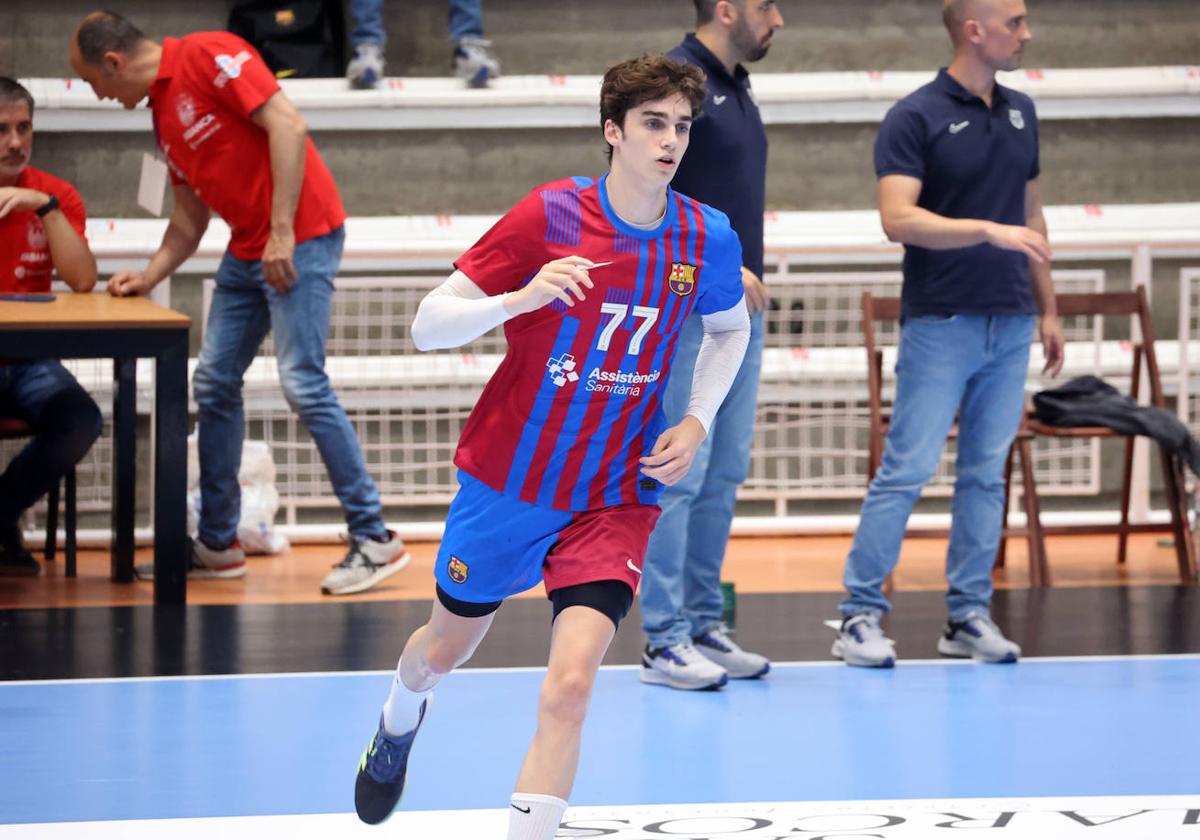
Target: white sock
{"type": "Point", "coordinates": [402, 711]}
{"type": "Point", "coordinates": [534, 816]}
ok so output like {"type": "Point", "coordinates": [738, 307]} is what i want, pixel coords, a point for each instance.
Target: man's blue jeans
{"type": "Point", "coordinates": [975, 366]}
{"type": "Point", "coordinates": [243, 309]}
{"type": "Point", "coordinates": [466, 20]}
{"type": "Point", "coordinates": [681, 578]}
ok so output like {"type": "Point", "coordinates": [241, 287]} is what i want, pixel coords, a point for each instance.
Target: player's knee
{"type": "Point", "coordinates": [443, 656]}
{"type": "Point", "coordinates": [565, 695]}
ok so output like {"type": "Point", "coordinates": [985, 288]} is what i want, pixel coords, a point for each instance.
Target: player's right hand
{"type": "Point", "coordinates": [1019, 238]}
{"type": "Point", "coordinates": [562, 279]}
{"type": "Point", "coordinates": [129, 284]}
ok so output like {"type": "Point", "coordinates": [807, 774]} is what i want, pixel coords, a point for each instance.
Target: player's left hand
{"type": "Point", "coordinates": [278, 270]}
{"type": "Point", "coordinates": [13, 199]}
{"type": "Point", "coordinates": [671, 457]}
{"type": "Point", "coordinates": [1053, 345]}
{"type": "Point", "coordinates": [757, 296]}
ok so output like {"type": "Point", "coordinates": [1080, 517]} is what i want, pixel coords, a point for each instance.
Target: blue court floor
{"type": "Point", "coordinates": [140, 749]}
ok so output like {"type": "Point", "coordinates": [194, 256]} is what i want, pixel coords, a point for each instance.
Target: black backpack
{"type": "Point", "coordinates": [296, 38]}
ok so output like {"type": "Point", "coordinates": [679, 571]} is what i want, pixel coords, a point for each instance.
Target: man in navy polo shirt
{"type": "Point", "coordinates": [726, 167]}
{"type": "Point", "coordinates": [957, 162]}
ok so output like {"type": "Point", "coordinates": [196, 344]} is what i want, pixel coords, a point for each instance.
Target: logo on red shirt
{"type": "Point", "coordinates": [230, 67]}
{"type": "Point", "coordinates": [185, 108]}
{"type": "Point", "coordinates": [37, 235]}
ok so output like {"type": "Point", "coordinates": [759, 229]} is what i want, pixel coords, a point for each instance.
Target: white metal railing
{"type": "Point", "coordinates": [811, 441]}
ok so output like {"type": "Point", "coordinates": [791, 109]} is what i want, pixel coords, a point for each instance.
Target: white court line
{"type": "Point", "coordinates": [1032, 818]}
{"type": "Point", "coordinates": [527, 669]}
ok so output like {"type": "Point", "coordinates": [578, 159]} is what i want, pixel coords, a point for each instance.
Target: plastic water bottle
{"type": "Point", "coordinates": [729, 607]}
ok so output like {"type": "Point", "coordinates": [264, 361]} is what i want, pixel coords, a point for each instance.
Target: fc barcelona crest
{"type": "Point", "coordinates": [457, 570]}
{"type": "Point", "coordinates": [683, 279]}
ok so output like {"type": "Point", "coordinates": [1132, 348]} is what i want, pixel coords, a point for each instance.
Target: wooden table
{"type": "Point", "coordinates": [89, 326]}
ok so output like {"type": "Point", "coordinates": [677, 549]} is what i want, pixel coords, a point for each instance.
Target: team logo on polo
{"type": "Point", "coordinates": [683, 279]}
{"type": "Point", "coordinates": [562, 370]}
{"type": "Point", "coordinates": [457, 570]}
{"type": "Point", "coordinates": [36, 234]}
{"type": "Point", "coordinates": [1016, 118]}
{"type": "Point", "coordinates": [185, 109]}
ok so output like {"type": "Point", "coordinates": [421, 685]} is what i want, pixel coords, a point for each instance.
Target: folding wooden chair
{"type": "Point", "coordinates": [1133, 304]}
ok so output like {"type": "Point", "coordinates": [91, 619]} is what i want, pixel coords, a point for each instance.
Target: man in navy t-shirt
{"type": "Point", "coordinates": [957, 162]}
{"type": "Point", "coordinates": [687, 646]}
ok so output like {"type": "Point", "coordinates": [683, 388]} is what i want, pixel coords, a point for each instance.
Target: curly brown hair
{"type": "Point", "coordinates": [648, 78]}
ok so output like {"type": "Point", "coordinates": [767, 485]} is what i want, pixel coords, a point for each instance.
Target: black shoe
{"type": "Point", "coordinates": [15, 559]}
{"type": "Point", "coordinates": [381, 772]}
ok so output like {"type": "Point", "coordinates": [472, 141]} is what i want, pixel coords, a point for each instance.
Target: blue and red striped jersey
{"type": "Point", "coordinates": [577, 399]}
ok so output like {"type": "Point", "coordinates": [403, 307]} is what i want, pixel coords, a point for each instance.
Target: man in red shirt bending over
{"type": "Point", "coordinates": [41, 232]}
{"type": "Point", "coordinates": [237, 146]}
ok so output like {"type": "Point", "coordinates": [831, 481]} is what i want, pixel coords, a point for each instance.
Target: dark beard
{"type": "Point", "coordinates": [750, 47]}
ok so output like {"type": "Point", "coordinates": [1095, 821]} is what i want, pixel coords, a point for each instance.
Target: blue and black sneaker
{"type": "Point", "coordinates": [381, 772]}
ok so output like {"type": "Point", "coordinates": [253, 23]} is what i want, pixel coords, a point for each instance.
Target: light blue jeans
{"type": "Point", "coordinates": [681, 578]}
{"type": "Point", "coordinates": [244, 309]}
{"type": "Point", "coordinates": [466, 19]}
{"type": "Point", "coordinates": [975, 366]}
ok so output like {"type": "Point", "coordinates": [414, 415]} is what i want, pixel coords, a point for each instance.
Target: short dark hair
{"type": "Point", "coordinates": [13, 91]}
{"type": "Point", "coordinates": [705, 9]}
{"type": "Point", "coordinates": [648, 78]}
{"type": "Point", "coordinates": [104, 32]}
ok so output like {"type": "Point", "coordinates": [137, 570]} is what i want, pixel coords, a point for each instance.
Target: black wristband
{"type": "Point", "coordinates": [48, 207]}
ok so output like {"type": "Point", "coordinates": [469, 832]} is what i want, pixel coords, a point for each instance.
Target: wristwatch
{"type": "Point", "coordinates": [48, 207]}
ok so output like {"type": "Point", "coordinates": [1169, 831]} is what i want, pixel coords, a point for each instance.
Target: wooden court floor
{"type": "Point", "coordinates": [754, 564]}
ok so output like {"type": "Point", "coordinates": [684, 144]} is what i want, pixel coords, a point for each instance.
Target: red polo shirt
{"type": "Point", "coordinates": [25, 264]}
{"type": "Point", "coordinates": [208, 85]}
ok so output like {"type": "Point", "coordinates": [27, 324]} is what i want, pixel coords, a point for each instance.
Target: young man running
{"type": "Point", "coordinates": [563, 459]}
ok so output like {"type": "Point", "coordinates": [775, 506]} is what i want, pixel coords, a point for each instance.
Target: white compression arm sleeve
{"type": "Point", "coordinates": [456, 313]}
{"type": "Point", "coordinates": [726, 337]}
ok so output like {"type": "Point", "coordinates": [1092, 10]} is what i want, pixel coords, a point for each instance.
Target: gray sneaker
{"type": "Point", "coordinates": [474, 62]}
{"type": "Point", "coordinates": [365, 70]}
{"type": "Point", "coordinates": [977, 637]}
{"type": "Point", "coordinates": [861, 642]}
{"type": "Point", "coordinates": [739, 664]}
{"type": "Point", "coordinates": [205, 563]}
{"type": "Point", "coordinates": [681, 666]}
{"type": "Point", "coordinates": [366, 563]}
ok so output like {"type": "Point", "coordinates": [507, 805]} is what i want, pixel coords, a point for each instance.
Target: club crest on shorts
{"type": "Point", "coordinates": [457, 570]}
{"type": "Point", "coordinates": [683, 279]}
{"type": "Point", "coordinates": [1016, 118]}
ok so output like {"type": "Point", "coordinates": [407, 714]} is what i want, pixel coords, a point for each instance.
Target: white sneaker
{"type": "Point", "coordinates": [474, 62]}
{"type": "Point", "coordinates": [366, 563]}
{"type": "Point", "coordinates": [977, 637]}
{"type": "Point", "coordinates": [739, 664]}
{"type": "Point", "coordinates": [205, 563]}
{"type": "Point", "coordinates": [861, 642]}
{"type": "Point", "coordinates": [365, 70]}
{"type": "Point", "coordinates": [681, 666]}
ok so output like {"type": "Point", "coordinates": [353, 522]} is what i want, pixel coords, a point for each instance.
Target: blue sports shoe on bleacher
{"type": "Point", "coordinates": [381, 772]}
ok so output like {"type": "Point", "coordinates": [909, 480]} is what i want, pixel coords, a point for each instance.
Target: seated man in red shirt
{"type": "Point", "coordinates": [41, 232]}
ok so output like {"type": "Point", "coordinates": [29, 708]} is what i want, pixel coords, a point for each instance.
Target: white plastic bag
{"type": "Point", "coordinates": [260, 498]}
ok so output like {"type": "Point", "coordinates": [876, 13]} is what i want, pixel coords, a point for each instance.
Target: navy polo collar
{"type": "Point", "coordinates": [710, 63]}
{"type": "Point", "coordinates": [952, 87]}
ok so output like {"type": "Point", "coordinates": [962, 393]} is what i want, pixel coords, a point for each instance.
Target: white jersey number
{"type": "Point", "coordinates": [619, 311]}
